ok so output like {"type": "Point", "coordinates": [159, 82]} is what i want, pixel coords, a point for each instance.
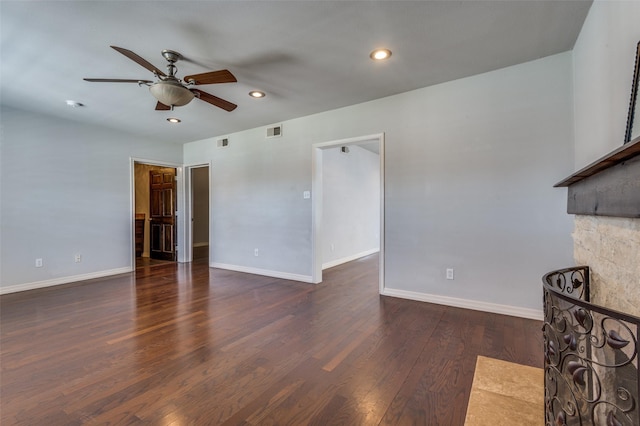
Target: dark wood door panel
{"type": "Point", "coordinates": [162, 204]}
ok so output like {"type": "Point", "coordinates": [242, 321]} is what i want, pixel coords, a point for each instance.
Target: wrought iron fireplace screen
{"type": "Point", "coordinates": [591, 356]}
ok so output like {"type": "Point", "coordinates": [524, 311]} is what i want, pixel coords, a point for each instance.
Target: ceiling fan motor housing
{"type": "Point", "coordinates": [171, 55]}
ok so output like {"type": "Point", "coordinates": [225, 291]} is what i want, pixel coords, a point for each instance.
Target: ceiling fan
{"type": "Point", "coordinates": [169, 90]}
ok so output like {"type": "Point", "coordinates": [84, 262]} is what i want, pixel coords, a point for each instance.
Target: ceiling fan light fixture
{"type": "Point", "coordinates": [173, 120]}
{"type": "Point", "coordinates": [257, 94]}
{"type": "Point", "coordinates": [380, 54]}
{"type": "Point", "coordinates": [171, 93]}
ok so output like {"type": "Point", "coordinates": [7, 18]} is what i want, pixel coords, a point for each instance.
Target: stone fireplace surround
{"type": "Point", "coordinates": [605, 197]}
{"type": "Point", "coordinates": [611, 248]}
{"type": "Point", "coordinates": [592, 313]}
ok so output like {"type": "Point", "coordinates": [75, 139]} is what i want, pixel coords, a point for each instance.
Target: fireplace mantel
{"type": "Point", "coordinates": [608, 187]}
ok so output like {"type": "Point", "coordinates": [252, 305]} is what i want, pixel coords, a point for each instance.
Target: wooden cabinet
{"type": "Point", "coordinates": [139, 233]}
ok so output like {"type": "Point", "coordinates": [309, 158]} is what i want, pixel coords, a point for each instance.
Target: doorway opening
{"type": "Point", "coordinates": [155, 197]}
{"type": "Point", "coordinates": [348, 202]}
{"type": "Point", "coordinates": [199, 192]}
{"type": "Point", "coordinates": [197, 237]}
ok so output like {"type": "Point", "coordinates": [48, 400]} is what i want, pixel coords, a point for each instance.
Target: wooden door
{"type": "Point", "coordinates": [162, 190]}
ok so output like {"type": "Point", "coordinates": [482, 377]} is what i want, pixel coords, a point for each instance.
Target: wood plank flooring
{"type": "Point", "coordinates": [184, 344]}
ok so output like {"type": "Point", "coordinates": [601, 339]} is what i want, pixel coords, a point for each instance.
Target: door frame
{"type": "Point", "coordinates": [188, 210]}
{"type": "Point", "coordinates": [316, 202]}
{"type": "Point", "coordinates": [179, 220]}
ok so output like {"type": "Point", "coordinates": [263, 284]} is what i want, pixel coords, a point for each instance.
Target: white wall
{"type": "Point", "coordinates": [351, 204]}
{"type": "Point", "coordinates": [66, 190]}
{"type": "Point", "coordinates": [257, 187]}
{"type": "Point", "coordinates": [603, 59]}
{"type": "Point", "coordinates": [470, 166]}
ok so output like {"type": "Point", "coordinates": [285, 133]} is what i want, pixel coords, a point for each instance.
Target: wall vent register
{"type": "Point", "coordinates": [275, 131]}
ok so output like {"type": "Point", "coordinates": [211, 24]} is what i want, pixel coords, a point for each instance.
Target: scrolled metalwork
{"type": "Point", "coordinates": [571, 281]}
{"type": "Point", "coordinates": [591, 356]}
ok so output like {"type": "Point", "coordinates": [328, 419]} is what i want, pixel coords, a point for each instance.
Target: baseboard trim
{"type": "Point", "coordinates": [495, 308]}
{"type": "Point", "coordinates": [475, 305]}
{"type": "Point", "coordinates": [63, 280]}
{"type": "Point", "coordinates": [337, 262]}
{"type": "Point", "coordinates": [265, 272]}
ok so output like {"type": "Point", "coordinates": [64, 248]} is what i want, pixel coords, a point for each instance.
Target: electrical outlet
{"type": "Point", "coordinates": [78, 258]}
{"type": "Point", "coordinates": [38, 263]}
{"type": "Point", "coordinates": [256, 252]}
{"type": "Point", "coordinates": [449, 273]}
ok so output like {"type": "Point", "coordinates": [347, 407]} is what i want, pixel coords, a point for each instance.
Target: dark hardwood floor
{"type": "Point", "coordinates": [183, 344]}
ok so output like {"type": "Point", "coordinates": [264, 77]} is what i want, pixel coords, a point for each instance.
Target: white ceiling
{"type": "Point", "coordinates": [308, 56]}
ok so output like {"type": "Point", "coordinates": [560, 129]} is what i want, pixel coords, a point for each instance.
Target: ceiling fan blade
{"type": "Point", "coordinates": [115, 80]}
{"type": "Point", "coordinates": [214, 100]}
{"type": "Point", "coordinates": [162, 107]}
{"type": "Point", "coordinates": [211, 77]}
{"type": "Point", "coordinates": [137, 59]}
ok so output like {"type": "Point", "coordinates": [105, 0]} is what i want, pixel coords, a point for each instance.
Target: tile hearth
{"type": "Point", "coordinates": [504, 393]}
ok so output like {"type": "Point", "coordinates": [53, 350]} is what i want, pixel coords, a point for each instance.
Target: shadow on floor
{"type": "Point", "coordinates": [200, 254]}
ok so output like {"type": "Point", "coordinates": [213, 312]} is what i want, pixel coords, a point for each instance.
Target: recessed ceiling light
{"type": "Point", "coordinates": [257, 94]}
{"type": "Point", "coordinates": [380, 54]}
{"type": "Point", "coordinates": [74, 104]}
{"type": "Point", "coordinates": [173, 120]}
